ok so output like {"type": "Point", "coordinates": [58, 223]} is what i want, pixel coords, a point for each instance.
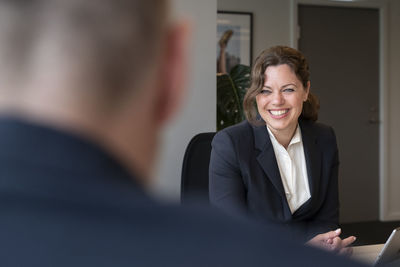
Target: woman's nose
{"type": "Point", "coordinates": [277, 98]}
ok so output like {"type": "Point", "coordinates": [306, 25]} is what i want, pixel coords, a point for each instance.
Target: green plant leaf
{"type": "Point", "coordinates": [231, 89]}
{"type": "Point", "coordinates": [240, 75]}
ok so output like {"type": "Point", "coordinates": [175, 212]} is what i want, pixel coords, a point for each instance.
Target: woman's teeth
{"type": "Point", "coordinates": [278, 112]}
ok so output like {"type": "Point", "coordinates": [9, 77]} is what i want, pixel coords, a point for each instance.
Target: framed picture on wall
{"type": "Point", "coordinates": [234, 39]}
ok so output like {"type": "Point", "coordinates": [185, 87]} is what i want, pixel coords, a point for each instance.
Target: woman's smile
{"type": "Point", "coordinates": [278, 113]}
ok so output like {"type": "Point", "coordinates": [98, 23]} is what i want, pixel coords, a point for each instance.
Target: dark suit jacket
{"type": "Point", "coordinates": [64, 201]}
{"type": "Point", "coordinates": [244, 177]}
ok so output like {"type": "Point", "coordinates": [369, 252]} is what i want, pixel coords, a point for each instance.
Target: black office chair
{"type": "Point", "coordinates": [194, 180]}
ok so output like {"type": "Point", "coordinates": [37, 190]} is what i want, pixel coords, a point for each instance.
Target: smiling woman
{"type": "Point", "coordinates": [280, 166]}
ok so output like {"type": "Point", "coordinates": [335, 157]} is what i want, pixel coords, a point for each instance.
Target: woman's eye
{"type": "Point", "coordinates": [288, 90]}
{"type": "Point", "coordinates": [265, 91]}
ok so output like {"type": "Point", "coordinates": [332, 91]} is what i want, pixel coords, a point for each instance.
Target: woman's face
{"type": "Point", "coordinates": [280, 101]}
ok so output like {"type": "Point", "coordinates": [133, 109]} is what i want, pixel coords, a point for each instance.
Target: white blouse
{"type": "Point", "coordinates": [293, 170]}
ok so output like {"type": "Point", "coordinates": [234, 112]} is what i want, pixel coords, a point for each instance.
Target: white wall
{"type": "Point", "coordinates": [199, 111]}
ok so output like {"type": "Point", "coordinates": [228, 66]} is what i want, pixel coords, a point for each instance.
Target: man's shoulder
{"type": "Point", "coordinates": [76, 212]}
{"type": "Point", "coordinates": [142, 232]}
{"type": "Point", "coordinates": [199, 235]}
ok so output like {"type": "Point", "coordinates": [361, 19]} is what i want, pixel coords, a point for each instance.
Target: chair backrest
{"type": "Point", "coordinates": [194, 180]}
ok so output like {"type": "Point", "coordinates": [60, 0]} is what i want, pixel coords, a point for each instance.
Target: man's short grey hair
{"type": "Point", "coordinates": [114, 42]}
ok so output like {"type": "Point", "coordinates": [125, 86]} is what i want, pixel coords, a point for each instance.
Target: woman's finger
{"type": "Point", "coordinates": [347, 241]}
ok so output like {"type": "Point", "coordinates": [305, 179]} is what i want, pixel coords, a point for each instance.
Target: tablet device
{"type": "Point", "coordinates": [391, 249]}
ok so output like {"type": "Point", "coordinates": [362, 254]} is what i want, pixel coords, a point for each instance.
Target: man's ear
{"type": "Point", "coordinates": [173, 72]}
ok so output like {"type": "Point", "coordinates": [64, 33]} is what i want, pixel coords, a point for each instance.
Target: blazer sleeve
{"type": "Point", "coordinates": [327, 218]}
{"type": "Point", "coordinates": [226, 187]}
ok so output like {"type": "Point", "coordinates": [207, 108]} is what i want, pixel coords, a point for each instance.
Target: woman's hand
{"type": "Point", "coordinates": [332, 242]}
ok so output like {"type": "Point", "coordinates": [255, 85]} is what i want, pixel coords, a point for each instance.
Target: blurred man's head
{"type": "Point", "coordinates": [108, 69]}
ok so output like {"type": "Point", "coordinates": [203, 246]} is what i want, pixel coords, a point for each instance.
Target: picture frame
{"type": "Point", "coordinates": [238, 49]}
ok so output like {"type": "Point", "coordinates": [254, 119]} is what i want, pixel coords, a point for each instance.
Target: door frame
{"type": "Point", "coordinates": [385, 213]}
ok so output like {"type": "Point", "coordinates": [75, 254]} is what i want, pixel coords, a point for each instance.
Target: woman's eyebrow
{"type": "Point", "coordinates": [283, 86]}
{"type": "Point", "coordinates": [289, 84]}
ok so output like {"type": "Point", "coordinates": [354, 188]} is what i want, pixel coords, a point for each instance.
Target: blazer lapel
{"type": "Point", "coordinates": [266, 159]}
{"type": "Point", "coordinates": [312, 155]}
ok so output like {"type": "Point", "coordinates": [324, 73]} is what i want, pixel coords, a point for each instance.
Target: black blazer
{"type": "Point", "coordinates": [244, 177]}
{"type": "Point", "coordinates": [65, 201]}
